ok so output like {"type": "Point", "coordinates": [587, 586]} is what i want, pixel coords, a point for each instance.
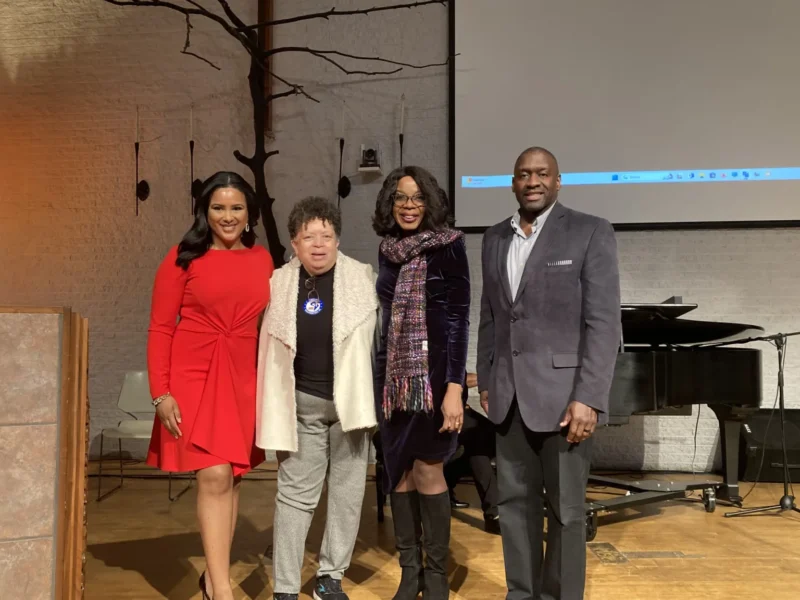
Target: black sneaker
{"type": "Point", "coordinates": [285, 596]}
{"type": "Point", "coordinates": [492, 524]}
{"type": "Point", "coordinates": [328, 588]}
{"type": "Point", "coordinates": [456, 503]}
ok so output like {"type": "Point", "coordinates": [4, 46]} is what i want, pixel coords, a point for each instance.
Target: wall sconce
{"type": "Point", "coordinates": [142, 187]}
{"type": "Point", "coordinates": [343, 187]}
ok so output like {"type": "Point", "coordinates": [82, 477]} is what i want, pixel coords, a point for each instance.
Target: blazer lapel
{"type": "Point", "coordinates": [550, 232]}
{"type": "Point", "coordinates": [503, 245]}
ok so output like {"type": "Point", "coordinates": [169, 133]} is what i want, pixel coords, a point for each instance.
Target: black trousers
{"type": "Point", "coordinates": [528, 463]}
{"type": "Point", "coordinates": [478, 439]}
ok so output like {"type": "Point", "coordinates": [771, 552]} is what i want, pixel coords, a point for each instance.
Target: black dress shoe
{"type": "Point", "coordinates": [491, 524]}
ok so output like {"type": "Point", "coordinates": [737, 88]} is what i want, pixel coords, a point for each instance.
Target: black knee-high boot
{"type": "Point", "coordinates": [435, 511]}
{"type": "Point", "coordinates": [408, 541]}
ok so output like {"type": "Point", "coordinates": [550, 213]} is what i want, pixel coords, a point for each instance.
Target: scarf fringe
{"type": "Point", "coordinates": [408, 394]}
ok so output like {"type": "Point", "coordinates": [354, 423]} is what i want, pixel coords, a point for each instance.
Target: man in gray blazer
{"type": "Point", "coordinates": [547, 343]}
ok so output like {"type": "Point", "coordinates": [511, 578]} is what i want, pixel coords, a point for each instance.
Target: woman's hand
{"type": "Point", "coordinates": [452, 409]}
{"type": "Point", "coordinates": [170, 416]}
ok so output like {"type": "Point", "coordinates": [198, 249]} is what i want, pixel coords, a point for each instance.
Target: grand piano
{"type": "Point", "coordinates": [667, 363]}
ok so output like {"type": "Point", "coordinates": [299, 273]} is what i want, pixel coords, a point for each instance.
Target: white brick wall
{"type": "Point", "coordinates": [71, 73]}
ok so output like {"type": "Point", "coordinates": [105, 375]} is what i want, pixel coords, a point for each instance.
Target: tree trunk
{"type": "Point", "coordinates": [259, 160]}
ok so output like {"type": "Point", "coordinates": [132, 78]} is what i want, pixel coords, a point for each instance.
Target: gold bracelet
{"type": "Point", "coordinates": [160, 399]}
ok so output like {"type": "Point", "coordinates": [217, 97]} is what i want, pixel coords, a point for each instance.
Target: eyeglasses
{"type": "Point", "coordinates": [400, 199]}
{"type": "Point", "coordinates": [311, 286]}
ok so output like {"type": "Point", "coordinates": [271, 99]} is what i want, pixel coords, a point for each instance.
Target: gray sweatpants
{"type": "Point", "coordinates": [323, 449]}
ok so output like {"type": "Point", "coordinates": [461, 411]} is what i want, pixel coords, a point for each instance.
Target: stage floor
{"type": "Point", "coordinates": [142, 546]}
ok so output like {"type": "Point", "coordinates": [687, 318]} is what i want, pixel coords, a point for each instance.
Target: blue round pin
{"type": "Point", "coordinates": [312, 306]}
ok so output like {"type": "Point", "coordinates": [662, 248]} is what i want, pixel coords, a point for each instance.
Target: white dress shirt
{"type": "Point", "coordinates": [521, 247]}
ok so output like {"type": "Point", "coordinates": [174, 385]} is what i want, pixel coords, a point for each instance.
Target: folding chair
{"type": "Point", "coordinates": [134, 399]}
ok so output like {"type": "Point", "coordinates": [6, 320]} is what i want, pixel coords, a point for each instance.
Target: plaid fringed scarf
{"type": "Point", "coordinates": [408, 387]}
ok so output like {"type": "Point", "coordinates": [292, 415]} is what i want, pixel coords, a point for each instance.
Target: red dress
{"type": "Point", "coordinates": [207, 360]}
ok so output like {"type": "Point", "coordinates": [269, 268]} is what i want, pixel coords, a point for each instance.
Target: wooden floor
{"type": "Point", "coordinates": [142, 546]}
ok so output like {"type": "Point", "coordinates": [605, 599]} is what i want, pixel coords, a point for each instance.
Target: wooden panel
{"type": "Point", "coordinates": [50, 310]}
{"type": "Point", "coordinates": [73, 453]}
{"type": "Point", "coordinates": [43, 459]}
{"type": "Point", "coordinates": [61, 523]}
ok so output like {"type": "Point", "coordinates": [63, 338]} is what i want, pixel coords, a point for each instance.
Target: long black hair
{"type": "Point", "coordinates": [198, 239]}
{"type": "Point", "coordinates": [437, 208]}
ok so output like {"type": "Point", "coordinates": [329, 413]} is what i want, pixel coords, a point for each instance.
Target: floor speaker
{"type": "Point", "coordinates": [762, 436]}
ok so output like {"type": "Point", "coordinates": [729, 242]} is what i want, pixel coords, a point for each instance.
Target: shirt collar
{"type": "Point", "coordinates": [538, 223]}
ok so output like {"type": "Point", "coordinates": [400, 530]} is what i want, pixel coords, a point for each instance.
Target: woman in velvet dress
{"type": "Point", "coordinates": [209, 293]}
{"type": "Point", "coordinates": [424, 291]}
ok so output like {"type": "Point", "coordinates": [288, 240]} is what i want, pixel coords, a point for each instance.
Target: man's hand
{"type": "Point", "coordinates": [582, 421]}
{"type": "Point", "coordinates": [485, 401]}
{"type": "Point", "coordinates": [472, 380]}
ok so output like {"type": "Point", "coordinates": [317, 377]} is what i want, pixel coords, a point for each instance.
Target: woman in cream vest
{"type": "Point", "coordinates": [315, 395]}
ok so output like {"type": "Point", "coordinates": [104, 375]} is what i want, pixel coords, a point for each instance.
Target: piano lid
{"type": "Point", "coordinates": [659, 325]}
{"type": "Point", "coordinates": [646, 311]}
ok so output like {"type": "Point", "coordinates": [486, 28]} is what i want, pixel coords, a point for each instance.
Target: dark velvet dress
{"type": "Point", "coordinates": [409, 436]}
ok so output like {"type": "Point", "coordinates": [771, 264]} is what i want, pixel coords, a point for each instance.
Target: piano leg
{"type": "Point", "coordinates": [730, 430]}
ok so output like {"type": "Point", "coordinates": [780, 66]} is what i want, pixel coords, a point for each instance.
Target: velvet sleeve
{"type": "Point", "coordinates": [165, 306]}
{"type": "Point", "coordinates": [456, 270]}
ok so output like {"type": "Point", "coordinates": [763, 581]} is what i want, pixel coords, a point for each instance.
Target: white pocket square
{"type": "Point", "coordinates": [559, 263]}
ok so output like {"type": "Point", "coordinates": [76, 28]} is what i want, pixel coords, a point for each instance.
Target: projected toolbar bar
{"type": "Point", "coordinates": [628, 177]}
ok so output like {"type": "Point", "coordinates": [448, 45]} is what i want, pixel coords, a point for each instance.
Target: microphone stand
{"type": "Point", "coordinates": [787, 501]}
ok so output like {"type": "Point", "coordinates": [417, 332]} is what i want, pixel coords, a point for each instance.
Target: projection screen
{"type": "Point", "coordinates": [660, 113]}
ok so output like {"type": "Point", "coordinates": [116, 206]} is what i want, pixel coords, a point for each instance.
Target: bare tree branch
{"type": "Point", "coordinates": [291, 92]}
{"type": "Point", "coordinates": [246, 161]}
{"type": "Point", "coordinates": [356, 71]}
{"type": "Point", "coordinates": [199, 11]}
{"type": "Point", "coordinates": [237, 22]}
{"type": "Point", "coordinates": [326, 54]}
{"type": "Point", "coordinates": [341, 13]}
{"type": "Point", "coordinates": [249, 161]}
{"type": "Point", "coordinates": [187, 42]}
{"type": "Point", "coordinates": [251, 39]}
{"type": "Point", "coordinates": [296, 89]}
{"type": "Point", "coordinates": [161, 3]}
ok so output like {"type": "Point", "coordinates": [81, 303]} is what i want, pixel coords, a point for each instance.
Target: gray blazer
{"type": "Point", "coordinates": [557, 341]}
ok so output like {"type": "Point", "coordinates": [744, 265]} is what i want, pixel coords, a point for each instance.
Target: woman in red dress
{"type": "Point", "coordinates": [209, 293]}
